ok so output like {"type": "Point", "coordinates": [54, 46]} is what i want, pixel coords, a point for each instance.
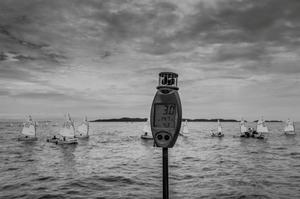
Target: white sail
{"type": "Point", "coordinates": [29, 128]}
{"type": "Point", "coordinates": [289, 126]}
{"type": "Point", "coordinates": [219, 130]}
{"type": "Point", "coordinates": [261, 127]}
{"type": "Point", "coordinates": [185, 128]}
{"type": "Point", "coordinates": [243, 127]}
{"type": "Point", "coordinates": [83, 129]}
{"type": "Point", "coordinates": [147, 128]}
{"type": "Point", "coordinates": [68, 128]}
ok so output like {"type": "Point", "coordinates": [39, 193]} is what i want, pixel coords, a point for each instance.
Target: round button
{"type": "Point", "coordinates": [167, 137]}
{"type": "Point", "coordinates": [159, 137]}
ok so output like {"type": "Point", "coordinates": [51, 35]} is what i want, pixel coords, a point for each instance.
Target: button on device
{"type": "Point", "coordinates": [159, 137]}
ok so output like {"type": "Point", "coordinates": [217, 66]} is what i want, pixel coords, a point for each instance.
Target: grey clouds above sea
{"type": "Point", "coordinates": [98, 52]}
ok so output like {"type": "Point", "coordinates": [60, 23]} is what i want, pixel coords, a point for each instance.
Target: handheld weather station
{"type": "Point", "coordinates": [165, 119]}
{"type": "Point", "coordinates": [166, 112]}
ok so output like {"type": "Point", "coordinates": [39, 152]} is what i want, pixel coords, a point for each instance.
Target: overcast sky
{"type": "Point", "coordinates": [235, 58]}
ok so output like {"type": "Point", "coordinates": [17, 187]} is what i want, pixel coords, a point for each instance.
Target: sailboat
{"type": "Point", "coordinates": [29, 131]}
{"type": "Point", "coordinates": [243, 127]}
{"type": "Point", "coordinates": [67, 133]}
{"type": "Point", "coordinates": [219, 132]}
{"type": "Point", "coordinates": [289, 128]}
{"type": "Point", "coordinates": [147, 133]}
{"type": "Point", "coordinates": [185, 129]}
{"type": "Point", "coordinates": [83, 129]}
{"type": "Point", "coordinates": [261, 126]}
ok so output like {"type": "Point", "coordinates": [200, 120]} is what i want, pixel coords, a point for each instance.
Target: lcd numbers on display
{"type": "Point", "coordinates": [165, 115]}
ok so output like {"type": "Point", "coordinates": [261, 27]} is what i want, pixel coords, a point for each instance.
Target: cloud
{"type": "Point", "coordinates": [111, 50]}
{"type": "Point", "coordinates": [4, 92]}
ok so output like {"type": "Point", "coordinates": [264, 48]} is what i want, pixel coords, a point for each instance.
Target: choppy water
{"type": "Point", "coordinates": [116, 163]}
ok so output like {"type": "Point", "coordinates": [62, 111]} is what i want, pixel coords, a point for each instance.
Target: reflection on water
{"type": "Point", "coordinates": [116, 163]}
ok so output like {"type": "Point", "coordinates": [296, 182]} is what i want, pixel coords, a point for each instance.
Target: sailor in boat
{"type": "Point", "coordinates": [53, 139]}
{"type": "Point", "coordinates": [216, 134]}
{"type": "Point", "coordinates": [248, 133]}
{"type": "Point", "coordinates": [146, 136]}
{"type": "Point", "coordinates": [219, 133]}
{"type": "Point", "coordinates": [253, 133]}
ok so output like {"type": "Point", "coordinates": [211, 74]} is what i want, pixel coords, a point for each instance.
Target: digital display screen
{"type": "Point", "coordinates": [164, 115]}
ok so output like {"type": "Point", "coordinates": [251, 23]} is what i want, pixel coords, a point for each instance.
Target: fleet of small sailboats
{"type": "Point", "coordinates": [68, 135]}
{"type": "Point", "coordinates": [289, 128]}
{"type": "Point", "coordinates": [28, 132]}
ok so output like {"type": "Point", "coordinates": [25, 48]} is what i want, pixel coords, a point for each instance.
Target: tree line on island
{"type": "Point", "coordinates": [128, 119]}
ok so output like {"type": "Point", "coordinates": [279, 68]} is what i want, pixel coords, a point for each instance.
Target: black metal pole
{"type": "Point", "coordinates": [165, 174]}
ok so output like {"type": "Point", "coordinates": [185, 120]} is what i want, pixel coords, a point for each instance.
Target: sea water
{"type": "Point", "coordinates": [115, 163]}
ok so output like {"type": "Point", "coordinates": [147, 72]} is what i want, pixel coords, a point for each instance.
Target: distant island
{"type": "Point", "coordinates": [269, 121]}
{"type": "Point", "coordinates": [123, 119]}
{"type": "Point", "coordinates": [128, 119]}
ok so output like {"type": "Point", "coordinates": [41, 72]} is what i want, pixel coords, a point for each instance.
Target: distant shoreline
{"type": "Point", "coordinates": [128, 119]}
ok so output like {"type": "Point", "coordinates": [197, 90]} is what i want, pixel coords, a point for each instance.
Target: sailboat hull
{"type": "Point", "coordinates": [27, 138]}
{"type": "Point", "coordinates": [82, 136]}
{"type": "Point", "coordinates": [147, 137]}
{"type": "Point", "coordinates": [289, 133]}
{"type": "Point", "coordinates": [217, 135]}
{"type": "Point", "coordinates": [52, 140]}
{"type": "Point", "coordinates": [67, 141]}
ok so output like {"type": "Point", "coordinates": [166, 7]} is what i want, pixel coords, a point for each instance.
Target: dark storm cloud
{"type": "Point", "coordinates": [12, 44]}
{"type": "Point", "coordinates": [4, 31]}
{"type": "Point", "coordinates": [160, 27]}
